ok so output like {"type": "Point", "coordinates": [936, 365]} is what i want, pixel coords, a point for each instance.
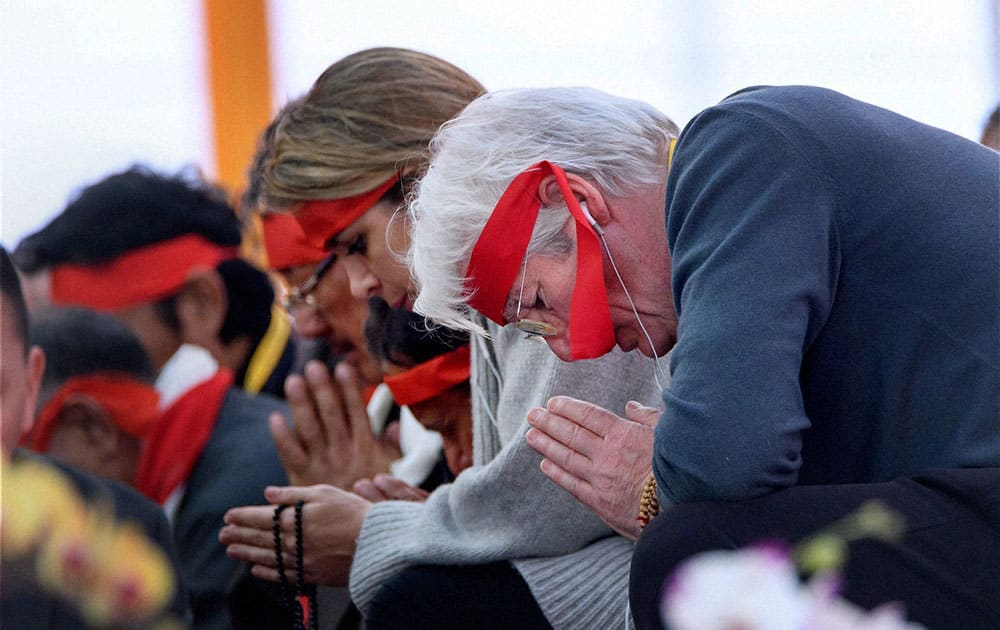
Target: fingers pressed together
{"type": "Point", "coordinates": [388, 488]}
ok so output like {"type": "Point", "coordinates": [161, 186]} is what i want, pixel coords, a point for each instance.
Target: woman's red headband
{"type": "Point", "coordinates": [502, 245]}
{"type": "Point", "coordinates": [142, 275]}
{"type": "Point", "coordinates": [430, 378]}
{"type": "Point", "coordinates": [132, 405]}
{"type": "Point", "coordinates": [323, 219]}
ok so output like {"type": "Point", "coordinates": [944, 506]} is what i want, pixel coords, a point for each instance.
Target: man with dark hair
{"type": "Point", "coordinates": [97, 399]}
{"type": "Point", "coordinates": [427, 370]}
{"type": "Point", "coordinates": [160, 254]}
{"type": "Point", "coordinates": [21, 371]}
{"type": "Point", "coordinates": [138, 208]}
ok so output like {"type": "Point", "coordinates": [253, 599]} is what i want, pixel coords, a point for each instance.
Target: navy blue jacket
{"type": "Point", "coordinates": [835, 271]}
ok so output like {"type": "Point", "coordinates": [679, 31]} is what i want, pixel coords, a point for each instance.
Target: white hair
{"type": "Point", "coordinates": [618, 144]}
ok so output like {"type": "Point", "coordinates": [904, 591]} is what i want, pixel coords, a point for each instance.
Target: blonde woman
{"type": "Point", "coordinates": [501, 546]}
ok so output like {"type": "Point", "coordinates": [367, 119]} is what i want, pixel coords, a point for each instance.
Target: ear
{"type": "Point", "coordinates": [98, 427]}
{"type": "Point", "coordinates": [201, 308]}
{"type": "Point", "coordinates": [550, 194]}
{"type": "Point", "coordinates": [36, 368]}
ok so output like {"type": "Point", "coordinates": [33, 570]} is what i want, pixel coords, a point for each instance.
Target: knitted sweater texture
{"type": "Point", "coordinates": [504, 508]}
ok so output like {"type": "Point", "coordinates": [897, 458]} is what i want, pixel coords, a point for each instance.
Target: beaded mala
{"type": "Point", "coordinates": [649, 505]}
{"type": "Point", "coordinates": [300, 603]}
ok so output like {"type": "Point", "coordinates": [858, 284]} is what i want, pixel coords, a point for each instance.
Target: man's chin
{"type": "Point", "coordinates": [627, 342]}
{"type": "Point", "coordinates": [646, 351]}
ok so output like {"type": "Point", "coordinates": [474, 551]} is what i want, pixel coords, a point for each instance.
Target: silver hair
{"type": "Point", "coordinates": [618, 144]}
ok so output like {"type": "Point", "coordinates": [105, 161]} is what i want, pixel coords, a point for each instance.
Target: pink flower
{"type": "Point", "coordinates": [757, 589]}
{"type": "Point", "coordinates": [736, 590]}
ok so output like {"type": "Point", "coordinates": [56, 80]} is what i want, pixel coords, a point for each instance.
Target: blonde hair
{"type": "Point", "coordinates": [368, 116]}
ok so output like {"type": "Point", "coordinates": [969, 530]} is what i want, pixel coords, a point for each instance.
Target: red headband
{"type": "Point", "coordinates": [503, 243]}
{"type": "Point", "coordinates": [430, 378]}
{"type": "Point", "coordinates": [323, 219]}
{"type": "Point", "coordinates": [142, 275]}
{"type": "Point", "coordinates": [132, 404]}
{"type": "Point", "coordinates": [285, 243]}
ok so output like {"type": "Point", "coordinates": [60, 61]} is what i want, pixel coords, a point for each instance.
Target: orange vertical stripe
{"type": "Point", "coordinates": [240, 76]}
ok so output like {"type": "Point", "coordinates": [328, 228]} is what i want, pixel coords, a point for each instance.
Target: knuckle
{"type": "Point", "coordinates": [574, 435]}
{"type": "Point", "coordinates": [567, 458]}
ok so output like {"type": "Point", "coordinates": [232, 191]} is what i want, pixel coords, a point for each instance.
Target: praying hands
{"type": "Point", "coordinates": [331, 439]}
{"type": "Point", "coordinates": [331, 444]}
{"type": "Point", "coordinates": [388, 488]}
{"type": "Point", "coordinates": [601, 459]}
{"type": "Point", "coordinates": [331, 523]}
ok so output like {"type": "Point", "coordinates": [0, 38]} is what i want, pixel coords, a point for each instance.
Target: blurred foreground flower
{"type": "Point", "coordinates": [35, 499]}
{"type": "Point", "coordinates": [109, 570]}
{"type": "Point", "coordinates": [758, 588]}
{"type": "Point", "coordinates": [746, 589]}
{"type": "Point", "coordinates": [827, 550]}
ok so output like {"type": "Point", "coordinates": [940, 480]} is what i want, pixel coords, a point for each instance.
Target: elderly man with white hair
{"type": "Point", "coordinates": [827, 274]}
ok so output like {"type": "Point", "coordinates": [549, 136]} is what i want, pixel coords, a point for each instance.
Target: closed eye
{"type": "Point", "coordinates": [358, 246]}
{"type": "Point", "coordinates": [522, 310]}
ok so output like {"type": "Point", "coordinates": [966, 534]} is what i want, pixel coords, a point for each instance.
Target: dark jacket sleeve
{"type": "Point", "coordinates": [754, 257]}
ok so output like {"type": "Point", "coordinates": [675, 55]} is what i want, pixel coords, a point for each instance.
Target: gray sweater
{"type": "Point", "coordinates": [504, 508]}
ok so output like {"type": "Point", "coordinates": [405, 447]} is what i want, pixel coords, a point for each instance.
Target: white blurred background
{"type": "Point", "coordinates": [87, 88]}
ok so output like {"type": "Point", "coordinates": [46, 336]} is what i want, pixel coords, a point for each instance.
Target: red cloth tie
{"type": "Point", "coordinates": [430, 378]}
{"type": "Point", "coordinates": [324, 219]}
{"type": "Point", "coordinates": [501, 247]}
{"type": "Point", "coordinates": [173, 449]}
{"type": "Point", "coordinates": [286, 244]}
{"type": "Point", "coordinates": [142, 275]}
{"type": "Point", "coordinates": [132, 405]}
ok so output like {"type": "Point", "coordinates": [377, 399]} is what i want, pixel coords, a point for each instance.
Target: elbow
{"type": "Point", "coordinates": [736, 476]}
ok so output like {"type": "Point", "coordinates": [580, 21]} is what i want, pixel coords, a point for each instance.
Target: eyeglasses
{"type": "Point", "coordinates": [534, 327]}
{"type": "Point", "coordinates": [302, 295]}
